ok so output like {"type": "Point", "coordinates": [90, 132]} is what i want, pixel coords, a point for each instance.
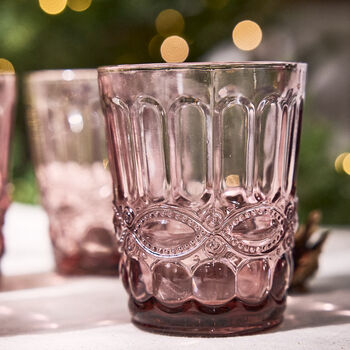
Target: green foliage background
{"type": "Point", "coordinates": [116, 31]}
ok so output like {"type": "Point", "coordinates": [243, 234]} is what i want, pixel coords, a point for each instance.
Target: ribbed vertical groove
{"type": "Point", "coordinates": [297, 144]}
{"type": "Point", "coordinates": [210, 133]}
{"type": "Point", "coordinates": [289, 104]}
{"type": "Point", "coordinates": [240, 167]}
{"type": "Point", "coordinates": [266, 145]}
{"type": "Point", "coordinates": [291, 147]}
{"type": "Point", "coordinates": [148, 116]}
{"type": "Point", "coordinates": [250, 148]}
{"type": "Point", "coordinates": [139, 153]}
{"type": "Point", "coordinates": [282, 144]}
{"type": "Point", "coordinates": [174, 161]}
{"type": "Point", "coordinates": [217, 126]}
{"type": "Point", "coordinates": [189, 117]}
{"type": "Point", "coordinates": [121, 127]}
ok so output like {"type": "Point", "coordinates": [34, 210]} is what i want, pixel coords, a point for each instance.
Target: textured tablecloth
{"type": "Point", "coordinates": [41, 310]}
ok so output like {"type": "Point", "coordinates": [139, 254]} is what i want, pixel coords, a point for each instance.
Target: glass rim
{"type": "Point", "coordinates": [202, 66]}
{"type": "Point", "coordinates": [60, 75]}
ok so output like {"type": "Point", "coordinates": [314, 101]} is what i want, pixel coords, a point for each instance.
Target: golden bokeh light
{"type": "Point", "coordinates": [232, 180]}
{"type": "Point", "coordinates": [79, 5]}
{"type": "Point", "coordinates": [247, 35]}
{"type": "Point", "coordinates": [53, 7]}
{"type": "Point", "coordinates": [338, 164]}
{"type": "Point", "coordinates": [170, 22]}
{"type": "Point", "coordinates": [346, 164]}
{"type": "Point", "coordinates": [6, 66]}
{"type": "Point", "coordinates": [154, 46]}
{"type": "Point", "coordinates": [174, 49]}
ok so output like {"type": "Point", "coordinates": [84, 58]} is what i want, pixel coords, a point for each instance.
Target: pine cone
{"type": "Point", "coordinates": [306, 253]}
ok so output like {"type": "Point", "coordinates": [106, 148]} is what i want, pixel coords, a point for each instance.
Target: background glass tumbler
{"type": "Point", "coordinates": [203, 162]}
{"type": "Point", "coordinates": [69, 148]}
{"type": "Point", "coordinates": [7, 102]}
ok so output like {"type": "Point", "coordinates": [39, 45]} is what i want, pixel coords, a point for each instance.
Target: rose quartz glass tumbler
{"type": "Point", "coordinates": [203, 160]}
{"type": "Point", "coordinates": [69, 148]}
{"type": "Point", "coordinates": [7, 101]}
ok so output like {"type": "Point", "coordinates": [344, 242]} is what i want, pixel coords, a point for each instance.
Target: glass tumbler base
{"type": "Point", "coordinates": [194, 319]}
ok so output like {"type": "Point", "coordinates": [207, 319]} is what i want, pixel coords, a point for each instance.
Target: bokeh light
{"type": "Point", "coordinates": [338, 164]}
{"type": "Point", "coordinates": [346, 164]}
{"type": "Point", "coordinates": [247, 35]}
{"type": "Point", "coordinates": [6, 66]}
{"type": "Point", "coordinates": [170, 22]}
{"type": "Point", "coordinates": [232, 180]}
{"type": "Point", "coordinates": [53, 7]}
{"type": "Point", "coordinates": [68, 75]}
{"type": "Point", "coordinates": [154, 46]}
{"type": "Point", "coordinates": [79, 5]}
{"type": "Point", "coordinates": [76, 122]}
{"type": "Point", "coordinates": [174, 49]}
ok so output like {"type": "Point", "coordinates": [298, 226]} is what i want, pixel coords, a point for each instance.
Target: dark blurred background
{"type": "Point", "coordinates": [89, 33]}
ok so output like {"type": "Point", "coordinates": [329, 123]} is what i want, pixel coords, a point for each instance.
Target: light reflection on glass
{"type": "Point", "coordinates": [76, 122]}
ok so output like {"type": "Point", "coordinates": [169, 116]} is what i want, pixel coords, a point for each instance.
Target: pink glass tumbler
{"type": "Point", "coordinates": [68, 141]}
{"type": "Point", "coordinates": [7, 102]}
{"type": "Point", "coordinates": [203, 160]}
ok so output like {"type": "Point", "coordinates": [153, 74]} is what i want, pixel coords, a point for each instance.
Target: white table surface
{"type": "Point", "coordinates": [41, 310]}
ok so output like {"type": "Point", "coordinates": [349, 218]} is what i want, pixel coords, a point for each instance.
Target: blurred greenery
{"type": "Point", "coordinates": [117, 31]}
{"type": "Point", "coordinates": [319, 185]}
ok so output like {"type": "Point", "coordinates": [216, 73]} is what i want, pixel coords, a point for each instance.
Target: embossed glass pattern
{"type": "Point", "coordinates": [68, 141]}
{"type": "Point", "coordinates": [7, 101]}
{"type": "Point", "coordinates": [203, 163]}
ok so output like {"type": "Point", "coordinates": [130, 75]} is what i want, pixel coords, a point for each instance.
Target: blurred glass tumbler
{"type": "Point", "coordinates": [69, 148]}
{"type": "Point", "coordinates": [203, 163]}
{"type": "Point", "coordinates": [7, 102]}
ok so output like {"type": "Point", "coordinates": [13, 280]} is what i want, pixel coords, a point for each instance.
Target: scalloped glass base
{"type": "Point", "coordinates": [195, 319]}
